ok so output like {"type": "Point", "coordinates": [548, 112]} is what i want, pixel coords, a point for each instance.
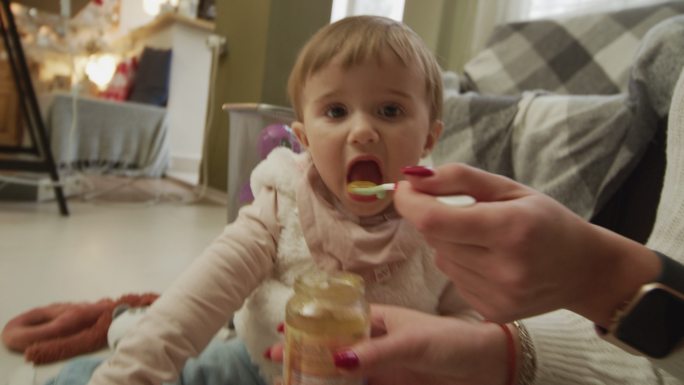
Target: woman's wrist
{"type": "Point", "coordinates": [622, 266]}
{"type": "Point", "coordinates": [512, 351]}
{"type": "Point", "coordinates": [491, 366]}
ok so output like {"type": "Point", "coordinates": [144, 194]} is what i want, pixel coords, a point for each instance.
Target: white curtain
{"type": "Point", "coordinates": [515, 10]}
{"type": "Point", "coordinates": [393, 9]}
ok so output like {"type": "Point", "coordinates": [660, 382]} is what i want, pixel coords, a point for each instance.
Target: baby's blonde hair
{"type": "Point", "coordinates": [360, 38]}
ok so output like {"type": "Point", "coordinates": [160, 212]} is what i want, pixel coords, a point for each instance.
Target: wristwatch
{"type": "Point", "coordinates": [652, 322]}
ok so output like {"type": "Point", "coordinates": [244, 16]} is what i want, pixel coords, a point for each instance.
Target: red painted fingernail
{"type": "Point", "coordinates": [281, 327]}
{"type": "Point", "coordinates": [267, 353]}
{"type": "Point", "coordinates": [417, 171]}
{"type": "Point", "coordinates": [346, 359]}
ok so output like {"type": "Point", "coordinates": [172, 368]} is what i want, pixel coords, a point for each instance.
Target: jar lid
{"type": "Point", "coordinates": [339, 285]}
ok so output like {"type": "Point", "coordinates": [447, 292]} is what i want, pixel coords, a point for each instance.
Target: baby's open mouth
{"type": "Point", "coordinates": [365, 170]}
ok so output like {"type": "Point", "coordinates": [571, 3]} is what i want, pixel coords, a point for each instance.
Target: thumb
{"type": "Point", "coordinates": [373, 354]}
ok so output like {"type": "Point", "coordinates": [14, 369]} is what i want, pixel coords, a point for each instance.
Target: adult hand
{"type": "Point", "coordinates": [410, 347]}
{"type": "Point", "coordinates": [517, 252]}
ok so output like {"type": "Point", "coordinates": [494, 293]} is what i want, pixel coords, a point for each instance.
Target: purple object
{"type": "Point", "coordinates": [245, 195]}
{"type": "Point", "coordinates": [271, 136]}
{"type": "Point", "coordinates": [276, 135]}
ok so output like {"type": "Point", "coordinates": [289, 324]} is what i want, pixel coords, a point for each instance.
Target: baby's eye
{"type": "Point", "coordinates": [335, 112]}
{"type": "Point", "coordinates": [390, 111]}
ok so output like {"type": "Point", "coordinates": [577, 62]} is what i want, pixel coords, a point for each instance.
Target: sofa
{"type": "Point", "coordinates": [575, 107]}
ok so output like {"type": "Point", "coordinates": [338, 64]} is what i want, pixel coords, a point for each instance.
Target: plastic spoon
{"type": "Point", "coordinates": [362, 187]}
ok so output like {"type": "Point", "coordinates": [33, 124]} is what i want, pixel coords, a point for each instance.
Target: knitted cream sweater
{"type": "Point", "coordinates": [567, 348]}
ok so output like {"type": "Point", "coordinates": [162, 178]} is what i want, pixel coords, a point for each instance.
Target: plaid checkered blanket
{"type": "Point", "coordinates": [591, 54]}
{"type": "Point", "coordinates": [576, 148]}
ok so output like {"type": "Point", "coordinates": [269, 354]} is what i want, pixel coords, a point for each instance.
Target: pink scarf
{"type": "Point", "coordinates": [339, 240]}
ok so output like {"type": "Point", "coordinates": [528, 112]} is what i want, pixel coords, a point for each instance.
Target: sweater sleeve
{"type": "Point", "coordinates": [667, 236]}
{"type": "Point", "coordinates": [188, 314]}
{"type": "Point", "coordinates": [568, 350]}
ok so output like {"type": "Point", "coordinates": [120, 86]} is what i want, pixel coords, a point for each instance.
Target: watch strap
{"type": "Point", "coordinates": [670, 278]}
{"type": "Point", "coordinates": [671, 273]}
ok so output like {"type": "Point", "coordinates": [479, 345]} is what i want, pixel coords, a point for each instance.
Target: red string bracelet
{"type": "Point", "coordinates": [510, 354]}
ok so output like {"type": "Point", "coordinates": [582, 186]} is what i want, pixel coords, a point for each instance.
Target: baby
{"type": "Point", "coordinates": [367, 95]}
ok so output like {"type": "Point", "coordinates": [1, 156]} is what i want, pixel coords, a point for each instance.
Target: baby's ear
{"type": "Point", "coordinates": [298, 128]}
{"type": "Point", "coordinates": [433, 136]}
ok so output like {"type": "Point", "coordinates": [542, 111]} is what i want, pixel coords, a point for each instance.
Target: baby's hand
{"type": "Point", "coordinates": [275, 352]}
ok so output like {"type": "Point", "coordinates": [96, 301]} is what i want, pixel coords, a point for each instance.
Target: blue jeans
{"type": "Point", "coordinates": [221, 363]}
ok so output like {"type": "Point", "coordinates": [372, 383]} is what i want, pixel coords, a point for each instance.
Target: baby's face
{"type": "Point", "coordinates": [365, 123]}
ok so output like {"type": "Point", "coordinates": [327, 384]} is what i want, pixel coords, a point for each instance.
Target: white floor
{"type": "Point", "coordinates": [104, 249]}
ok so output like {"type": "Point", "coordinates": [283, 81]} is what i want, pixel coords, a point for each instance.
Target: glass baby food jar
{"type": "Point", "coordinates": [328, 311]}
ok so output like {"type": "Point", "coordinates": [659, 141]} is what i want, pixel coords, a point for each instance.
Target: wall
{"type": "Point", "coordinates": [424, 17]}
{"type": "Point", "coordinates": [454, 29]}
{"type": "Point", "coordinates": [263, 39]}
{"type": "Point", "coordinates": [188, 100]}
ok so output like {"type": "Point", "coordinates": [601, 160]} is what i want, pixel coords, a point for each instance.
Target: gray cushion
{"type": "Point", "coordinates": [151, 83]}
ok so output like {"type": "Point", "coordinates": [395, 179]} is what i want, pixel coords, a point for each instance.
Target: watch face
{"type": "Point", "coordinates": [655, 325]}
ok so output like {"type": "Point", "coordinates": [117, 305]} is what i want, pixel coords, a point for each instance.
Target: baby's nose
{"type": "Point", "coordinates": [363, 131]}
